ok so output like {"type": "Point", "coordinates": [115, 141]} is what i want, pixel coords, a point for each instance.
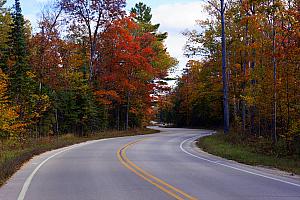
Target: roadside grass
{"type": "Point", "coordinates": [234, 148]}
{"type": "Point", "coordinates": [13, 156]}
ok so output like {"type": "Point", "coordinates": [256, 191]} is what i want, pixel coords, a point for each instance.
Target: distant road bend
{"type": "Point", "coordinates": [162, 166]}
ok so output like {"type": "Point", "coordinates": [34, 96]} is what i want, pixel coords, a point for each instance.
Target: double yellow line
{"type": "Point", "coordinates": [162, 185]}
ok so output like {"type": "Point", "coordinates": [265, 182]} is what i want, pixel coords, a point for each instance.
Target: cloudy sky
{"type": "Point", "coordinates": [175, 16]}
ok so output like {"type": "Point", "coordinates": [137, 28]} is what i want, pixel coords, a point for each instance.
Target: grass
{"type": "Point", "coordinates": [244, 152]}
{"type": "Point", "coordinates": [13, 156]}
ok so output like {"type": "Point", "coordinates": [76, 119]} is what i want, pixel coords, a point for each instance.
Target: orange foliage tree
{"type": "Point", "coordinates": [125, 68]}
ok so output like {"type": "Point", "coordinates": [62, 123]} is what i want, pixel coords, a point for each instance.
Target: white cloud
{"type": "Point", "coordinates": [33, 18]}
{"type": "Point", "coordinates": [178, 16]}
{"type": "Point", "coordinates": [174, 19]}
{"type": "Point", "coordinates": [175, 43]}
{"type": "Point", "coordinates": [42, 1]}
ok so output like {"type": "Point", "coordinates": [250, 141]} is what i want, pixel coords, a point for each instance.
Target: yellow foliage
{"type": "Point", "coordinates": [30, 74]}
{"type": "Point", "coordinates": [294, 130]}
{"type": "Point", "coordinates": [249, 100]}
{"type": "Point", "coordinates": [40, 103]}
{"type": "Point", "coordinates": [9, 117]}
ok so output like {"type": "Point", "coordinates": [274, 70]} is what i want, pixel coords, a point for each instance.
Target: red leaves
{"type": "Point", "coordinates": [52, 57]}
{"type": "Point", "coordinates": [107, 96]}
{"type": "Point", "coordinates": [126, 59]}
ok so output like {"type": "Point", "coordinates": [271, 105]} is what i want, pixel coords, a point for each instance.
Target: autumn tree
{"type": "Point", "coordinates": [197, 98]}
{"type": "Point", "coordinates": [100, 73]}
{"type": "Point", "coordinates": [91, 17]}
{"type": "Point", "coordinates": [126, 65]}
{"type": "Point", "coordinates": [142, 15]}
{"type": "Point", "coordinates": [58, 64]}
{"type": "Point", "coordinates": [262, 66]}
{"type": "Point", "coordinates": [163, 62]}
{"type": "Point", "coordinates": [21, 84]}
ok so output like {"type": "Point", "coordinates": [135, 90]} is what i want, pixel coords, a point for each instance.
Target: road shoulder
{"type": "Point", "coordinates": [264, 170]}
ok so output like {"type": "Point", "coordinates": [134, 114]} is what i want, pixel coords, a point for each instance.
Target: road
{"type": "Point", "coordinates": [162, 166]}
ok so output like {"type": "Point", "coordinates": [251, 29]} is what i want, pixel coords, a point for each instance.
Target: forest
{"type": "Point", "coordinates": [90, 67]}
{"type": "Point", "coordinates": [263, 73]}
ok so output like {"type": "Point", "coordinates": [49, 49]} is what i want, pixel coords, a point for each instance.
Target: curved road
{"type": "Point", "coordinates": [162, 166]}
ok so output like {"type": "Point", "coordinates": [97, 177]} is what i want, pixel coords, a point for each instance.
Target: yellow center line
{"type": "Point", "coordinates": [162, 185]}
{"type": "Point", "coordinates": [157, 179]}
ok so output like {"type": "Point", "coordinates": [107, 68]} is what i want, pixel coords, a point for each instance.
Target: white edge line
{"type": "Point", "coordinates": [30, 177]}
{"type": "Point", "coordinates": [238, 169]}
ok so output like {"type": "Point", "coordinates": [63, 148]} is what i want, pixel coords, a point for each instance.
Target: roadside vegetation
{"type": "Point", "coordinates": [100, 74]}
{"type": "Point", "coordinates": [262, 40]}
{"type": "Point", "coordinates": [14, 155]}
{"type": "Point", "coordinates": [88, 68]}
{"type": "Point", "coordinates": [252, 151]}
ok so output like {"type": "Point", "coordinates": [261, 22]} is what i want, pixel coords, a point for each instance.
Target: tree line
{"type": "Point", "coordinates": [263, 72]}
{"type": "Point", "coordinates": [89, 67]}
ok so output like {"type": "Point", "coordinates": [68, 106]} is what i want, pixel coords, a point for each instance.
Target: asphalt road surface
{"type": "Point", "coordinates": [162, 166]}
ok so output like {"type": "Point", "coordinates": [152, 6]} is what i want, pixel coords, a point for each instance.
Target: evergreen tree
{"type": "Point", "coordinates": [142, 12]}
{"type": "Point", "coordinates": [22, 84]}
{"type": "Point", "coordinates": [143, 17]}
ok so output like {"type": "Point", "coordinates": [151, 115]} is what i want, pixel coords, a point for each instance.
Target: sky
{"type": "Point", "coordinates": [174, 17]}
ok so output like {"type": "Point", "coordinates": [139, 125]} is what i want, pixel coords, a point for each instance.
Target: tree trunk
{"type": "Point", "coordinates": [245, 62]}
{"type": "Point", "coordinates": [92, 56]}
{"type": "Point", "coordinates": [118, 118]}
{"type": "Point", "coordinates": [127, 112]}
{"type": "Point", "coordinates": [224, 72]}
{"type": "Point", "coordinates": [274, 134]}
{"type": "Point", "coordinates": [57, 127]}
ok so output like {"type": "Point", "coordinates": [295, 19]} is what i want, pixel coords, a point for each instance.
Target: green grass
{"type": "Point", "coordinates": [13, 156]}
{"type": "Point", "coordinates": [238, 150]}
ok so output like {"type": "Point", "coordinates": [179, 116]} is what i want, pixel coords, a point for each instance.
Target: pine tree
{"type": "Point", "coordinates": [143, 17]}
{"type": "Point", "coordinates": [22, 84]}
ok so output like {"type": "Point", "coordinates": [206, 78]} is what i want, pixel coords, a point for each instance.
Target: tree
{"type": "Point", "coordinates": [22, 84]}
{"type": "Point", "coordinates": [9, 124]}
{"type": "Point", "coordinates": [142, 15]}
{"type": "Point", "coordinates": [221, 11]}
{"type": "Point", "coordinates": [163, 62]}
{"type": "Point", "coordinates": [197, 98]}
{"type": "Point", "coordinates": [58, 64]}
{"type": "Point", "coordinates": [126, 65]}
{"type": "Point", "coordinates": [224, 70]}
{"type": "Point", "coordinates": [92, 16]}
{"type": "Point", "coordinates": [262, 66]}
